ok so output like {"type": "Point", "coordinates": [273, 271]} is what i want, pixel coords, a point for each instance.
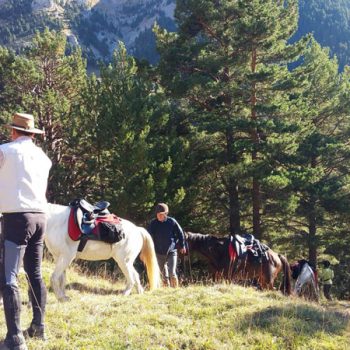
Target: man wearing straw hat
{"type": "Point", "coordinates": [24, 171]}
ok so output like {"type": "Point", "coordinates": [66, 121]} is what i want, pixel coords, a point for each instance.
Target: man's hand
{"type": "Point", "coordinates": [183, 251]}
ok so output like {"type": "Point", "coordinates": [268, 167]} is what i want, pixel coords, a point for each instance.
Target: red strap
{"type": "Point", "coordinates": [232, 252]}
{"type": "Point", "coordinates": [73, 229]}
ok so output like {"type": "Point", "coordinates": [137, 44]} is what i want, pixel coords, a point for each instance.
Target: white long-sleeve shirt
{"type": "Point", "coordinates": [24, 171]}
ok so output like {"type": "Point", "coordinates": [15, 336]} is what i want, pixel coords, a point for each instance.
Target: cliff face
{"type": "Point", "coordinates": [59, 5]}
{"type": "Point", "coordinates": [98, 25]}
{"type": "Point", "coordinates": [133, 17]}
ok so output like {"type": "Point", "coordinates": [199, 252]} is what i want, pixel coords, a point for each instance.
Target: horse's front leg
{"type": "Point", "coordinates": [58, 277]}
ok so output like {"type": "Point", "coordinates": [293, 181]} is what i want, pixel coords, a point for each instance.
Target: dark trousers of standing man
{"type": "Point", "coordinates": [327, 291]}
{"type": "Point", "coordinates": [22, 240]}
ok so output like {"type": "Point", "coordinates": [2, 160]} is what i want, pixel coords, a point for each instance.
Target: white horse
{"type": "Point", "coordinates": [64, 250]}
{"type": "Point", "coordinates": [306, 284]}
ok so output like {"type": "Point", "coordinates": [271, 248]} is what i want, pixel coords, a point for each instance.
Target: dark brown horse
{"type": "Point", "coordinates": [213, 249]}
{"type": "Point", "coordinates": [242, 269]}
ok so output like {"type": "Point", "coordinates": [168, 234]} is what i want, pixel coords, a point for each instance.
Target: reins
{"type": "Point", "coordinates": [188, 258]}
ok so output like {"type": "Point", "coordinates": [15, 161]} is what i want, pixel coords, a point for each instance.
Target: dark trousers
{"type": "Point", "coordinates": [22, 240]}
{"type": "Point", "coordinates": [327, 291]}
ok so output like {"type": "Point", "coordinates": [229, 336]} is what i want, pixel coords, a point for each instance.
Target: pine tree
{"type": "Point", "coordinates": [320, 175]}
{"type": "Point", "coordinates": [263, 30]}
{"type": "Point", "coordinates": [47, 83]}
{"type": "Point", "coordinates": [127, 116]}
{"type": "Point", "coordinates": [227, 66]}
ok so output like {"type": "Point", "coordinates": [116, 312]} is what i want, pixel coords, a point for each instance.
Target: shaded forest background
{"type": "Point", "coordinates": [238, 127]}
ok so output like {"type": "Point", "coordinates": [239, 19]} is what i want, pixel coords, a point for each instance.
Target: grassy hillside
{"type": "Point", "coordinates": [195, 317]}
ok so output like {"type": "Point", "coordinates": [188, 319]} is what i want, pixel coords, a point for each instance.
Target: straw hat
{"type": "Point", "coordinates": [24, 122]}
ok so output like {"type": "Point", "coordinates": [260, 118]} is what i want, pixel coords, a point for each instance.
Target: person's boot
{"type": "Point", "coordinates": [174, 282]}
{"type": "Point", "coordinates": [7, 345]}
{"type": "Point", "coordinates": [12, 309]}
{"type": "Point", "coordinates": [35, 331]}
{"type": "Point", "coordinates": [4, 346]}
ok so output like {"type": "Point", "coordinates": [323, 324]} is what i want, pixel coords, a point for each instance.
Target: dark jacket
{"type": "Point", "coordinates": [166, 235]}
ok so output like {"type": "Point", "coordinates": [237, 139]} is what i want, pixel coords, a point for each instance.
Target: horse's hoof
{"type": "Point", "coordinates": [127, 292]}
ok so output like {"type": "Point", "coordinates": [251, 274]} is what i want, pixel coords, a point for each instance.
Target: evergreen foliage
{"type": "Point", "coordinates": [223, 129]}
{"type": "Point", "coordinates": [320, 173]}
{"type": "Point", "coordinates": [228, 68]}
{"type": "Point", "coordinates": [18, 22]}
{"type": "Point", "coordinates": [329, 21]}
{"type": "Point", "coordinates": [47, 83]}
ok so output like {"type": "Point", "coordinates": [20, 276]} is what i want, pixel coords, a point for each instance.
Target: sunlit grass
{"type": "Point", "coordinates": [195, 317]}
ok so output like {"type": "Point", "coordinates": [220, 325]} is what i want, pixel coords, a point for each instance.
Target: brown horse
{"type": "Point", "coordinates": [240, 269]}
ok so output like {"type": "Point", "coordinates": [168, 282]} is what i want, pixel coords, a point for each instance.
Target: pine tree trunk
{"type": "Point", "coordinates": [256, 209]}
{"type": "Point", "coordinates": [233, 193]}
{"type": "Point", "coordinates": [312, 225]}
{"type": "Point", "coordinates": [235, 220]}
{"type": "Point", "coordinates": [312, 239]}
{"type": "Point", "coordinates": [255, 140]}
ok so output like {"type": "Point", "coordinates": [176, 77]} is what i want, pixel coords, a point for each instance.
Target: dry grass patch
{"type": "Point", "coordinates": [195, 317]}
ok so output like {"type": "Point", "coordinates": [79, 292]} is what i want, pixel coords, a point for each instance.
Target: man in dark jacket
{"type": "Point", "coordinates": [167, 235]}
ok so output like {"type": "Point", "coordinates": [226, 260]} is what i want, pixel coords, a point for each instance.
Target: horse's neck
{"type": "Point", "coordinates": [57, 215]}
{"type": "Point", "coordinates": [199, 243]}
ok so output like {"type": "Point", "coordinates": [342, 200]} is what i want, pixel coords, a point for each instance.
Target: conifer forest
{"type": "Point", "coordinates": [239, 127]}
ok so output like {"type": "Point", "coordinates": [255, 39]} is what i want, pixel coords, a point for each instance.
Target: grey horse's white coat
{"type": "Point", "coordinates": [64, 250]}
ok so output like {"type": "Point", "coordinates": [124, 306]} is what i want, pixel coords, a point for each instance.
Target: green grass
{"type": "Point", "coordinates": [197, 317]}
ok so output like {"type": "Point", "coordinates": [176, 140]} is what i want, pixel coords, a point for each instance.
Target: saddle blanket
{"type": "Point", "coordinates": [106, 228]}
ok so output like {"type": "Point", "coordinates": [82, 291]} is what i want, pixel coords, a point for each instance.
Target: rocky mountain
{"type": "Point", "coordinates": [98, 25]}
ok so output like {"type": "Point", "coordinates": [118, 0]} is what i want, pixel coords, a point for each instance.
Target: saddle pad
{"type": "Point", "coordinates": [73, 229]}
{"type": "Point", "coordinates": [232, 252]}
{"type": "Point", "coordinates": [108, 218]}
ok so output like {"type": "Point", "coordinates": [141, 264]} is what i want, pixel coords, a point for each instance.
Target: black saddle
{"type": "Point", "coordinates": [85, 213]}
{"type": "Point", "coordinates": [247, 244]}
{"type": "Point", "coordinates": [96, 222]}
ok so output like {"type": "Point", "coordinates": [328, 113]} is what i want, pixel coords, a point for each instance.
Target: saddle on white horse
{"type": "Point", "coordinates": [93, 221]}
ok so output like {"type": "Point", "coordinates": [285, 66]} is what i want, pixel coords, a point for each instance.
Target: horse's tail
{"type": "Point", "coordinates": [148, 257]}
{"type": "Point", "coordinates": [286, 285]}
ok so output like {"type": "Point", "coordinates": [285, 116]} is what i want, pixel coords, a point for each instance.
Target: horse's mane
{"type": "Point", "coordinates": [196, 236]}
{"type": "Point", "coordinates": [206, 242]}
{"type": "Point", "coordinates": [211, 247]}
